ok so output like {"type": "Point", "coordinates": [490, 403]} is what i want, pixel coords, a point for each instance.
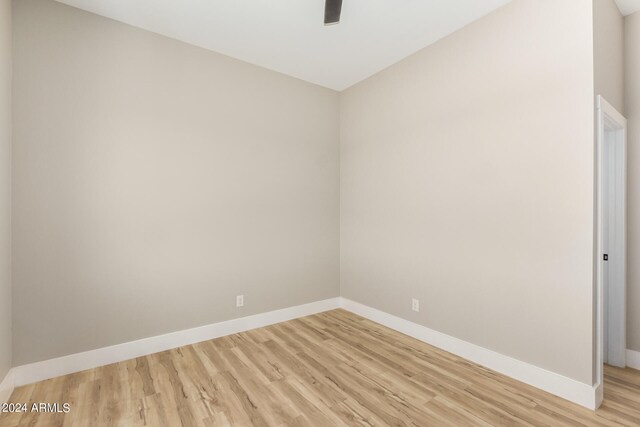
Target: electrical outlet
{"type": "Point", "coordinates": [240, 301]}
{"type": "Point", "coordinates": [415, 305]}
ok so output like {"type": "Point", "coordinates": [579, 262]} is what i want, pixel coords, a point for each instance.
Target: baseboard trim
{"type": "Point", "coordinates": [39, 371]}
{"type": "Point", "coordinates": [567, 388]}
{"type": "Point", "coordinates": [561, 386]}
{"type": "Point", "coordinates": [599, 390]}
{"type": "Point", "coordinates": [6, 387]}
{"type": "Point", "coordinates": [633, 359]}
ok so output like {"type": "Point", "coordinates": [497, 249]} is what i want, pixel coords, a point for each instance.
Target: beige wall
{"type": "Point", "coordinates": [467, 182]}
{"type": "Point", "coordinates": [632, 112]}
{"type": "Point", "coordinates": [608, 51]}
{"type": "Point", "coordinates": [5, 187]}
{"type": "Point", "coordinates": [155, 181]}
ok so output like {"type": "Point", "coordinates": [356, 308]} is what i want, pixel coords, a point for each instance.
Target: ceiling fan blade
{"type": "Point", "coordinates": [332, 9]}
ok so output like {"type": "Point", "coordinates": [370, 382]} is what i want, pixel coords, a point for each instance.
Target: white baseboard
{"type": "Point", "coordinates": [633, 359]}
{"type": "Point", "coordinates": [574, 391]}
{"type": "Point", "coordinates": [39, 371]}
{"type": "Point", "coordinates": [599, 389]}
{"type": "Point", "coordinates": [567, 388]}
{"type": "Point", "coordinates": [6, 387]}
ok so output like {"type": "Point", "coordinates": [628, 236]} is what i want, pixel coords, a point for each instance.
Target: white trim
{"type": "Point", "coordinates": [599, 389]}
{"type": "Point", "coordinates": [567, 388]}
{"type": "Point", "coordinates": [633, 359]}
{"type": "Point", "coordinates": [609, 110]}
{"type": "Point", "coordinates": [39, 371]}
{"type": "Point", "coordinates": [551, 382]}
{"type": "Point", "coordinates": [6, 387]}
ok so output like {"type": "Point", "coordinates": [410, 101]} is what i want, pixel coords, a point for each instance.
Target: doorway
{"type": "Point", "coordinates": [611, 261]}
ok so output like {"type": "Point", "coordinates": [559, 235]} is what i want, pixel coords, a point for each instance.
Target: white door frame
{"type": "Point", "coordinates": [608, 119]}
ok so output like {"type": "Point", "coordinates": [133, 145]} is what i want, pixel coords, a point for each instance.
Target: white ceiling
{"type": "Point", "coordinates": [289, 36]}
{"type": "Point", "coordinates": [627, 7]}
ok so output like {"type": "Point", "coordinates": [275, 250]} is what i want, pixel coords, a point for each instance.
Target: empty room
{"type": "Point", "coordinates": [319, 213]}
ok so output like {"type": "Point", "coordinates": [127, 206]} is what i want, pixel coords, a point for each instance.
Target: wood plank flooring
{"type": "Point", "coordinates": [330, 369]}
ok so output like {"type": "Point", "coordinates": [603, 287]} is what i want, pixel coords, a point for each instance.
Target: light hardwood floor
{"type": "Point", "coordinates": [329, 369]}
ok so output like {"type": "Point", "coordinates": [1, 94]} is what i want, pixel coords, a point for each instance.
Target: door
{"type": "Point", "coordinates": [613, 242]}
{"type": "Point", "coordinates": [610, 255]}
